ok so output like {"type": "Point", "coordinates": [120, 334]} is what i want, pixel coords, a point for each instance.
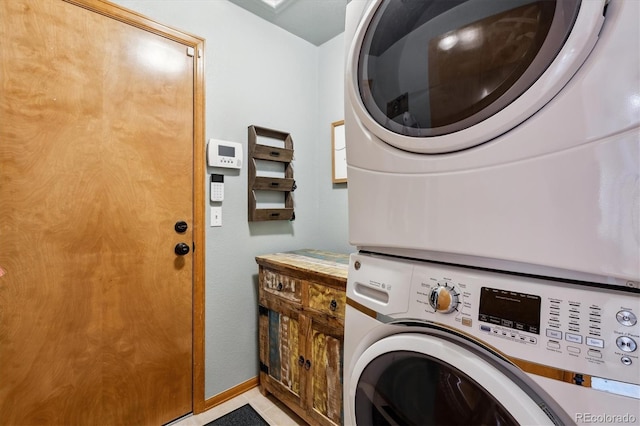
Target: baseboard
{"type": "Point", "coordinates": [230, 393]}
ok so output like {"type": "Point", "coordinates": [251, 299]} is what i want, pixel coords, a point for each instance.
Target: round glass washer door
{"type": "Point", "coordinates": [437, 76]}
{"type": "Point", "coordinates": [418, 379]}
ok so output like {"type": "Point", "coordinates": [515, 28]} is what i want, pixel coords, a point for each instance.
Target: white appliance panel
{"type": "Point", "coordinates": [577, 326]}
{"type": "Point", "coordinates": [557, 195]}
{"type": "Point", "coordinates": [589, 333]}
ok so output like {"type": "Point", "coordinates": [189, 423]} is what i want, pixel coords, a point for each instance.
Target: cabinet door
{"type": "Point", "coordinates": [324, 378]}
{"type": "Point", "coordinates": [280, 350]}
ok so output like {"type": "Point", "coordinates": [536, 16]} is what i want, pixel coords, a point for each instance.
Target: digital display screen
{"type": "Point", "coordinates": [226, 151]}
{"type": "Point", "coordinates": [510, 309]}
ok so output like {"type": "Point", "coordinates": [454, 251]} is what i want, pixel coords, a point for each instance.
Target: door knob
{"type": "Point", "coordinates": [181, 249]}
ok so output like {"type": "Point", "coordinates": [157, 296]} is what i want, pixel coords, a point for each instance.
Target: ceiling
{"type": "Point", "coordinates": [316, 21]}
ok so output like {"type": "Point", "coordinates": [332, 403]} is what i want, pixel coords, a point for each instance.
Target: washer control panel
{"type": "Point", "coordinates": [578, 328]}
{"type": "Point", "coordinates": [586, 329]}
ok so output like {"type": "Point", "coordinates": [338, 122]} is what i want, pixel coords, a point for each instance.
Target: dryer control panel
{"type": "Point", "coordinates": [577, 328]}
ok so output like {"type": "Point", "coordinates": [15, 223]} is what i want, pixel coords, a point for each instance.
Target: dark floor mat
{"type": "Point", "coordinates": [243, 416]}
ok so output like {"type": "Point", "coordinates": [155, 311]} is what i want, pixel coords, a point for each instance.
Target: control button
{"type": "Point", "coordinates": [554, 334]}
{"type": "Point", "coordinates": [443, 298]}
{"type": "Point", "coordinates": [594, 353]}
{"type": "Point", "coordinates": [626, 318]}
{"type": "Point", "coordinates": [626, 344]}
{"type": "Point", "coordinates": [573, 349]}
{"type": "Point", "coordinates": [573, 338]}
{"type": "Point", "coordinates": [626, 360]}
{"type": "Point", "coordinates": [466, 321]}
{"type": "Point", "coordinates": [485, 328]}
{"type": "Point", "coordinates": [597, 343]}
{"type": "Point", "coordinates": [532, 340]}
{"type": "Point", "coordinates": [553, 345]}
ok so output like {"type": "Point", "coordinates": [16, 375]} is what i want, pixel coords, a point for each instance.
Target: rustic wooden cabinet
{"type": "Point", "coordinates": [302, 304]}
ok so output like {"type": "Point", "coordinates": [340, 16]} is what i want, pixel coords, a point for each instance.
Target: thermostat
{"type": "Point", "coordinates": [224, 154]}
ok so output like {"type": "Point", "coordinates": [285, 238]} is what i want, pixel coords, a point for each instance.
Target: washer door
{"type": "Point", "coordinates": [435, 76]}
{"type": "Point", "coordinates": [417, 379]}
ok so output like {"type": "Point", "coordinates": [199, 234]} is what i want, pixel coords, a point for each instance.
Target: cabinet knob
{"type": "Point", "coordinates": [333, 305]}
{"type": "Point", "coordinates": [301, 360]}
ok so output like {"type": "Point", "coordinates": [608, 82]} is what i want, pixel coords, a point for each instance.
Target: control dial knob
{"type": "Point", "coordinates": [443, 299]}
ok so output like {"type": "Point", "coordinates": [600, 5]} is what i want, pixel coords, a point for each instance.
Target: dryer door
{"type": "Point", "coordinates": [435, 76]}
{"type": "Point", "coordinates": [417, 379]}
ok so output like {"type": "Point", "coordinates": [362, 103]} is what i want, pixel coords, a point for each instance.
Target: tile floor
{"type": "Point", "coordinates": [272, 410]}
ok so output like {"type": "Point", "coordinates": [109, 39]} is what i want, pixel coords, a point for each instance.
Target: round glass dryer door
{"type": "Point", "coordinates": [433, 76]}
{"type": "Point", "coordinates": [415, 379]}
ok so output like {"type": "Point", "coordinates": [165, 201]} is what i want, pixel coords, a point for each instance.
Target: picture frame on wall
{"type": "Point", "coordinates": [338, 152]}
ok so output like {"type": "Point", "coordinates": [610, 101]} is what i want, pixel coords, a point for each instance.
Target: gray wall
{"type": "Point", "coordinates": [259, 74]}
{"type": "Point", "coordinates": [332, 198]}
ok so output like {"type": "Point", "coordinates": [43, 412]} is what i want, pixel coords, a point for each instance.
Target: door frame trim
{"type": "Point", "coordinates": [138, 20]}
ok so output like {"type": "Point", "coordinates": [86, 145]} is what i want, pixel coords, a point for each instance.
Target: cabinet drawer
{"type": "Point", "coordinates": [327, 300]}
{"type": "Point", "coordinates": [280, 285]}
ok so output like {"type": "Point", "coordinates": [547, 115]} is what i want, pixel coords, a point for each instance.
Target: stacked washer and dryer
{"type": "Point", "coordinates": [493, 152]}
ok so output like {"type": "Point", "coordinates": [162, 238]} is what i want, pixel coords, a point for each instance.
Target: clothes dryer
{"type": "Point", "coordinates": [429, 343]}
{"type": "Point", "coordinates": [499, 134]}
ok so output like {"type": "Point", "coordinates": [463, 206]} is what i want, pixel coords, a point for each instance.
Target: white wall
{"type": "Point", "coordinates": [259, 74]}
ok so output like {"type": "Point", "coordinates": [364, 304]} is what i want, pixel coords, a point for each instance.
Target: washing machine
{"type": "Point", "coordinates": [432, 343]}
{"type": "Point", "coordinates": [497, 134]}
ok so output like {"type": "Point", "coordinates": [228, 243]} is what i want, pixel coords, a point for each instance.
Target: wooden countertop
{"type": "Point", "coordinates": [333, 266]}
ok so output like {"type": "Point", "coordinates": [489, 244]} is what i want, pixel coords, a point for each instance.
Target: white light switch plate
{"type": "Point", "coordinates": [216, 216]}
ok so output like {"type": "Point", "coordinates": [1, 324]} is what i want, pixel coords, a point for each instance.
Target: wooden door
{"type": "Point", "coordinates": [96, 167]}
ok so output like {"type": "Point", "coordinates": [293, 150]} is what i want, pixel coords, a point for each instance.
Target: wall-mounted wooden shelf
{"type": "Point", "coordinates": [286, 184]}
